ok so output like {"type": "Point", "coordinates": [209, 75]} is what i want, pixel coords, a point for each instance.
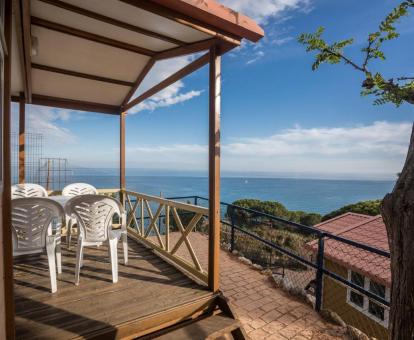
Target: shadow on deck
{"type": "Point", "coordinates": [149, 292]}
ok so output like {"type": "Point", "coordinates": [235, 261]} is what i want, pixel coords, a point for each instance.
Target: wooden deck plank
{"type": "Point", "coordinates": [211, 327]}
{"type": "Point", "coordinates": [148, 285]}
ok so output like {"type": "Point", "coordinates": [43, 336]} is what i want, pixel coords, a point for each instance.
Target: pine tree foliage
{"type": "Point", "coordinates": [396, 90]}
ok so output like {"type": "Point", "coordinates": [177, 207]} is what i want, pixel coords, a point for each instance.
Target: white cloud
{"type": "Point", "coordinates": [377, 149]}
{"type": "Point", "coordinates": [257, 55]}
{"type": "Point", "coordinates": [387, 139]}
{"type": "Point", "coordinates": [279, 41]}
{"type": "Point", "coordinates": [273, 16]}
{"type": "Point", "coordinates": [171, 95]}
{"type": "Point", "coordinates": [261, 10]}
{"type": "Point", "coordinates": [48, 121]}
{"type": "Point", "coordinates": [171, 157]}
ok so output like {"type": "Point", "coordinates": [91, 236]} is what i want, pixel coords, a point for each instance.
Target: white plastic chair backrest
{"type": "Point", "coordinates": [27, 190]}
{"type": "Point", "coordinates": [76, 189]}
{"type": "Point", "coordinates": [94, 215]}
{"type": "Point", "coordinates": [31, 218]}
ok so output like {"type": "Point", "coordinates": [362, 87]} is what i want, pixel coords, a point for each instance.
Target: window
{"type": "Point", "coordinates": [361, 302]}
{"type": "Point", "coordinates": [355, 297]}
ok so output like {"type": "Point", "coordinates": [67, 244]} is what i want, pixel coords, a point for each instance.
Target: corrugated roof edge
{"type": "Point", "coordinates": [344, 229]}
{"type": "Point", "coordinates": [357, 225]}
{"type": "Point", "coordinates": [214, 14]}
{"type": "Point", "coordinates": [368, 217]}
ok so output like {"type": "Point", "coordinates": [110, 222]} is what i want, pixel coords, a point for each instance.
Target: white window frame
{"type": "Point", "coordinates": [365, 309]}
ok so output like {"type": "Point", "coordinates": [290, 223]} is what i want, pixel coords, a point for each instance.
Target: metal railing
{"type": "Point", "coordinates": [315, 261]}
{"type": "Point", "coordinates": [303, 253]}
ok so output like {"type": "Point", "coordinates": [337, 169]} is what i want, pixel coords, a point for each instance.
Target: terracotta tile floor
{"type": "Point", "coordinates": [265, 311]}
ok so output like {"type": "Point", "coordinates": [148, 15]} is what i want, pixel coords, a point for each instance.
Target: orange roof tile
{"type": "Point", "coordinates": [363, 229]}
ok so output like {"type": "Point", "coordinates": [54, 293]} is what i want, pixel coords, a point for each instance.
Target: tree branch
{"type": "Point", "coordinates": [368, 55]}
{"type": "Point", "coordinates": [346, 60]}
{"type": "Point", "coordinates": [405, 78]}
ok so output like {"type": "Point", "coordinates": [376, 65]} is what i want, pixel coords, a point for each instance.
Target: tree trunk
{"type": "Point", "coordinates": [397, 210]}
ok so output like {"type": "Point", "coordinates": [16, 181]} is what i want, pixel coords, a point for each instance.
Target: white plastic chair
{"type": "Point", "coordinates": [27, 190]}
{"type": "Point", "coordinates": [76, 189]}
{"type": "Point", "coordinates": [72, 190]}
{"type": "Point", "coordinates": [94, 215]}
{"type": "Point", "coordinates": [32, 220]}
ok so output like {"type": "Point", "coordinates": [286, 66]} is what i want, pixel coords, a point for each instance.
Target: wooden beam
{"type": "Point", "coordinates": [185, 50]}
{"type": "Point", "coordinates": [90, 36]}
{"type": "Point", "coordinates": [214, 168]}
{"type": "Point", "coordinates": [6, 244]}
{"type": "Point", "coordinates": [184, 20]}
{"type": "Point", "coordinates": [114, 22]}
{"type": "Point", "coordinates": [139, 80]}
{"type": "Point", "coordinates": [122, 181]}
{"type": "Point", "coordinates": [82, 75]}
{"type": "Point", "coordinates": [19, 35]}
{"type": "Point", "coordinates": [22, 137]}
{"type": "Point", "coordinates": [72, 104]}
{"type": "Point", "coordinates": [27, 46]}
{"type": "Point", "coordinates": [190, 68]}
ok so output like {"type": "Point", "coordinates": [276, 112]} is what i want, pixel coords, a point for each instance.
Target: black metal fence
{"type": "Point", "coordinates": [339, 276]}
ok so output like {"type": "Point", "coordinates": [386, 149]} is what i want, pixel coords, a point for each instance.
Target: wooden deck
{"type": "Point", "coordinates": [149, 292]}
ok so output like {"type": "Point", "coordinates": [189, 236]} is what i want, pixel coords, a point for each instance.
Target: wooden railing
{"type": "Point", "coordinates": [145, 226]}
{"type": "Point", "coordinates": [145, 216]}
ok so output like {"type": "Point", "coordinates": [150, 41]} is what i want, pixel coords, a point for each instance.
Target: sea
{"type": "Point", "coordinates": [310, 195]}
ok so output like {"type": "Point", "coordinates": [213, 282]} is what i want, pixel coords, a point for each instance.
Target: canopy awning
{"type": "Point", "coordinates": [92, 55]}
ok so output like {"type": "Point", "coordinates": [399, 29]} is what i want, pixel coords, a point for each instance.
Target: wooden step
{"type": "Point", "coordinates": [210, 327]}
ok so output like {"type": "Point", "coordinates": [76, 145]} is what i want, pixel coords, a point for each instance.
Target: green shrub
{"type": "Point", "coordinates": [371, 208]}
{"type": "Point", "coordinates": [274, 208]}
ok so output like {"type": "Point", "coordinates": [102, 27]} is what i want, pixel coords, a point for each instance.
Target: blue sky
{"type": "Point", "coordinates": [278, 117]}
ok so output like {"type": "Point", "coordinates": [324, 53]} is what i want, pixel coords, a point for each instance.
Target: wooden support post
{"type": "Point", "coordinates": [7, 329]}
{"type": "Point", "coordinates": [122, 184]}
{"type": "Point", "coordinates": [22, 136]}
{"type": "Point", "coordinates": [214, 169]}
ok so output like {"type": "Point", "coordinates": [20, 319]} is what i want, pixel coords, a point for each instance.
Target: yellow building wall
{"type": "Point", "coordinates": [334, 299]}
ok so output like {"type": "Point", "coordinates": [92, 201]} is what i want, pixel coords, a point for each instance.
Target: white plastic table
{"type": "Point", "coordinates": [62, 200]}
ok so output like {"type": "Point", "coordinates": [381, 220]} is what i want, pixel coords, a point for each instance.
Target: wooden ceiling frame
{"type": "Point", "coordinates": [167, 54]}
{"type": "Point", "coordinates": [190, 68]}
{"type": "Point", "coordinates": [224, 40]}
{"type": "Point", "coordinates": [180, 51]}
{"type": "Point", "coordinates": [117, 110]}
{"type": "Point", "coordinates": [22, 17]}
{"type": "Point", "coordinates": [71, 104]}
{"type": "Point", "coordinates": [20, 45]}
{"type": "Point", "coordinates": [185, 71]}
{"type": "Point", "coordinates": [114, 22]}
{"type": "Point", "coordinates": [184, 20]}
{"type": "Point", "coordinates": [147, 68]}
{"type": "Point", "coordinates": [90, 36]}
{"type": "Point", "coordinates": [82, 75]}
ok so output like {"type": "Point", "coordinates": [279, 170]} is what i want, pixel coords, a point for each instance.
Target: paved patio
{"type": "Point", "coordinates": [265, 311]}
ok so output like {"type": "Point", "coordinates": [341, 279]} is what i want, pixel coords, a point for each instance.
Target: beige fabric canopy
{"type": "Point", "coordinates": [92, 55]}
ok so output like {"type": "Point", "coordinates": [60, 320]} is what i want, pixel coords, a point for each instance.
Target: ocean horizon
{"type": "Point", "coordinates": [307, 194]}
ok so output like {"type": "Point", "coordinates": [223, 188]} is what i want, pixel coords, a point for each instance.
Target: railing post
{"type": "Point", "coordinates": [231, 230]}
{"type": "Point", "coordinates": [122, 180]}
{"type": "Point", "coordinates": [195, 200]}
{"type": "Point", "coordinates": [319, 273]}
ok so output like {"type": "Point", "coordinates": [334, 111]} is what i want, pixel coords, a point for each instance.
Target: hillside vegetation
{"type": "Point", "coordinates": [269, 207]}
{"type": "Point", "coordinates": [286, 236]}
{"type": "Point", "coordinates": [371, 208]}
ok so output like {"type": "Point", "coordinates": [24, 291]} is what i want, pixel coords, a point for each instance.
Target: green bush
{"type": "Point", "coordinates": [274, 208]}
{"type": "Point", "coordinates": [371, 208]}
